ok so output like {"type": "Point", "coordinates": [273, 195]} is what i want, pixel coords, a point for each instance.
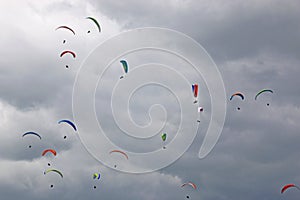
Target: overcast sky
{"type": "Point", "coordinates": [255, 45]}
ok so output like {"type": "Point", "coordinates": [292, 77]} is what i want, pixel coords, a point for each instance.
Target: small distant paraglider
{"type": "Point", "coordinates": [261, 92]}
{"type": "Point", "coordinates": [96, 176]}
{"type": "Point", "coordinates": [96, 22]}
{"type": "Point", "coordinates": [287, 186]}
{"type": "Point", "coordinates": [54, 170]}
{"type": "Point", "coordinates": [164, 137]}
{"type": "Point", "coordinates": [69, 123]}
{"type": "Point", "coordinates": [67, 28]}
{"type": "Point", "coordinates": [69, 52]}
{"type": "Point", "coordinates": [200, 110]}
{"type": "Point", "coordinates": [32, 133]}
{"type": "Point", "coordinates": [50, 151]}
{"type": "Point", "coordinates": [125, 67]}
{"type": "Point", "coordinates": [119, 151]}
{"type": "Point", "coordinates": [237, 94]}
{"type": "Point", "coordinates": [190, 184]}
{"type": "Point", "coordinates": [195, 91]}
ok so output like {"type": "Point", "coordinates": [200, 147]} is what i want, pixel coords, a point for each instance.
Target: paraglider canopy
{"type": "Point", "coordinates": [96, 22]}
{"type": "Point", "coordinates": [195, 90]}
{"type": "Point", "coordinates": [262, 91]}
{"type": "Point", "coordinates": [287, 186]}
{"type": "Point", "coordinates": [96, 176]}
{"type": "Point", "coordinates": [68, 122]}
{"type": "Point", "coordinates": [125, 66]}
{"type": "Point", "coordinates": [119, 151]}
{"type": "Point", "coordinates": [49, 150]}
{"type": "Point", "coordinates": [164, 136]}
{"type": "Point", "coordinates": [32, 133]}
{"type": "Point", "coordinates": [193, 185]}
{"type": "Point", "coordinates": [237, 94]}
{"type": "Point", "coordinates": [54, 170]}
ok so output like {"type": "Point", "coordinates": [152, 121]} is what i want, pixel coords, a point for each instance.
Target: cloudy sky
{"type": "Point", "coordinates": [255, 45]}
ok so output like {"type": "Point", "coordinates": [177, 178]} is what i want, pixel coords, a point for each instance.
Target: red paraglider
{"type": "Point", "coordinates": [70, 52]}
{"type": "Point", "coordinates": [49, 150]}
{"type": "Point", "coordinates": [287, 186]}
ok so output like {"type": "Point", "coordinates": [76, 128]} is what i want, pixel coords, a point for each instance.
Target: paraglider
{"type": "Point", "coordinates": [66, 27]}
{"type": "Point", "coordinates": [67, 51]}
{"type": "Point", "coordinates": [54, 170]}
{"type": "Point", "coordinates": [193, 185]}
{"type": "Point", "coordinates": [287, 186]}
{"type": "Point", "coordinates": [96, 22]}
{"type": "Point", "coordinates": [96, 176]}
{"type": "Point", "coordinates": [49, 150]}
{"type": "Point", "coordinates": [119, 151]}
{"type": "Point", "coordinates": [195, 91]}
{"type": "Point", "coordinates": [164, 137]}
{"type": "Point", "coordinates": [32, 133]}
{"type": "Point", "coordinates": [68, 122]}
{"type": "Point", "coordinates": [262, 91]}
{"type": "Point", "coordinates": [237, 94]}
{"type": "Point", "coordinates": [125, 67]}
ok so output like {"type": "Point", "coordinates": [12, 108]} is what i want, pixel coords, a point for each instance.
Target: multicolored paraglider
{"type": "Point", "coordinates": [190, 184]}
{"type": "Point", "coordinates": [125, 67]}
{"type": "Point", "coordinates": [237, 94]}
{"type": "Point", "coordinates": [195, 91]}
{"type": "Point", "coordinates": [96, 176]}
{"type": "Point", "coordinates": [193, 185]}
{"type": "Point", "coordinates": [96, 22]}
{"type": "Point", "coordinates": [287, 186]}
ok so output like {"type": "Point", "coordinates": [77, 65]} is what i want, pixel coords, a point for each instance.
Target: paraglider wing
{"type": "Point", "coordinates": [32, 133]}
{"type": "Point", "coordinates": [66, 27]}
{"type": "Point", "coordinates": [96, 176]}
{"type": "Point", "coordinates": [237, 94]}
{"type": "Point", "coordinates": [125, 66]}
{"type": "Point", "coordinates": [195, 90]}
{"type": "Point", "coordinates": [96, 22]}
{"type": "Point", "coordinates": [70, 52]}
{"type": "Point", "coordinates": [68, 122]}
{"type": "Point", "coordinates": [54, 170]}
{"type": "Point", "coordinates": [49, 150]}
{"type": "Point", "coordinates": [189, 184]}
{"type": "Point", "coordinates": [262, 91]}
{"type": "Point", "coordinates": [164, 136]}
{"type": "Point", "coordinates": [119, 151]}
{"type": "Point", "coordinates": [287, 186]}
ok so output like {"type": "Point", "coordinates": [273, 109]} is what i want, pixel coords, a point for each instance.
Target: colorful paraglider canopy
{"type": "Point", "coordinates": [96, 176]}
{"type": "Point", "coordinates": [96, 22]}
{"type": "Point", "coordinates": [237, 94]}
{"type": "Point", "coordinates": [66, 27]}
{"type": "Point", "coordinates": [193, 185]}
{"type": "Point", "coordinates": [164, 136]}
{"type": "Point", "coordinates": [32, 133]}
{"type": "Point", "coordinates": [262, 91]}
{"type": "Point", "coordinates": [68, 122]}
{"type": "Point", "coordinates": [125, 66]}
{"type": "Point", "coordinates": [69, 52]}
{"type": "Point", "coordinates": [287, 186]}
{"type": "Point", "coordinates": [195, 90]}
{"type": "Point", "coordinates": [54, 170]}
{"type": "Point", "coordinates": [119, 151]}
{"type": "Point", "coordinates": [49, 150]}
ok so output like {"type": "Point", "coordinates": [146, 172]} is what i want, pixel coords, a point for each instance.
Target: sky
{"type": "Point", "coordinates": [254, 44]}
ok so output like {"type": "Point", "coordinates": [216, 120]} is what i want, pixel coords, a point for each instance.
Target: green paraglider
{"type": "Point", "coordinates": [54, 170]}
{"type": "Point", "coordinates": [164, 136]}
{"type": "Point", "coordinates": [96, 22]}
{"type": "Point", "coordinates": [262, 91]}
